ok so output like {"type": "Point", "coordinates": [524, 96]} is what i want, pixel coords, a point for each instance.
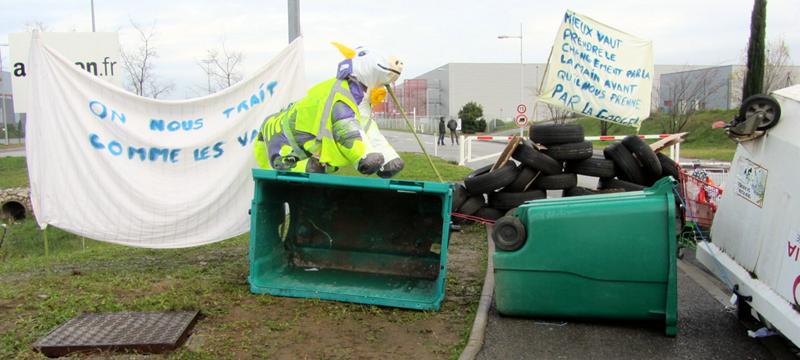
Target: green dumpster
{"type": "Point", "coordinates": [364, 240]}
{"type": "Point", "coordinates": [601, 256]}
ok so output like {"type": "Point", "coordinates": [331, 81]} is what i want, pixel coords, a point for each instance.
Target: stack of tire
{"type": "Point", "coordinates": [636, 166]}
{"type": "Point", "coordinates": [629, 165]}
{"type": "Point", "coordinates": [490, 194]}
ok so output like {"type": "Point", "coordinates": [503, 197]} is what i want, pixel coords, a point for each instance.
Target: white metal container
{"type": "Point", "coordinates": [756, 230]}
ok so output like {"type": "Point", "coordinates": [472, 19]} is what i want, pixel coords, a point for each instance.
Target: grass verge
{"type": "Point", "coordinates": [702, 142]}
{"type": "Point", "coordinates": [39, 292]}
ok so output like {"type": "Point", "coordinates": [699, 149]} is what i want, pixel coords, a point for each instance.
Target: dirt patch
{"type": "Point", "coordinates": [288, 328]}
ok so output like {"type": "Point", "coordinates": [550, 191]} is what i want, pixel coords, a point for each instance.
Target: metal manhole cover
{"type": "Point", "coordinates": [141, 332]}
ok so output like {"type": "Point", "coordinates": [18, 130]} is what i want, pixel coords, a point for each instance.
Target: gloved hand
{"type": "Point", "coordinates": [391, 168]}
{"type": "Point", "coordinates": [370, 163]}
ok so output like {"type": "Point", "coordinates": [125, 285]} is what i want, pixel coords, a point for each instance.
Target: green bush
{"type": "Point", "coordinates": [469, 115]}
{"type": "Point", "coordinates": [481, 125]}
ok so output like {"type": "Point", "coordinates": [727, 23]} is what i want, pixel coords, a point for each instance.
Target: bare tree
{"type": "Point", "coordinates": [777, 70]}
{"type": "Point", "coordinates": [222, 68]}
{"type": "Point", "coordinates": [138, 64]}
{"type": "Point", "coordinates": [558, 115]}
{"type": "Point", "coordinates": [777, 73]}
{"type": "Point", "coordinates": [205, 65]}
{"type": "Point", "coordinates": [686, 93]}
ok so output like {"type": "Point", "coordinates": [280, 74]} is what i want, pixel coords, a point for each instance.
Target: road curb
{"type": "Point", "coordinates": [478, 332]}
{"type": "Point", "coordinates": [712, 286]}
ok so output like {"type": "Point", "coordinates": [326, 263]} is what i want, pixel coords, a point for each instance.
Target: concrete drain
{"type": "Point", "coordinates": [15, 204]}
{"type": "Point", "coordinates": [13, 210]}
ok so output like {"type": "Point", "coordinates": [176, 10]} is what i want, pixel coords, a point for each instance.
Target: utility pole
{"type": "Point", "coordinates": [92, 3]}
{"type": "Point", "coordinates": [294, 19]}
{"type": "Point", "coordinates": [521, 68]}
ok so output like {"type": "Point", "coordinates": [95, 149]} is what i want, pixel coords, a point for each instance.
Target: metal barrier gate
{"type": "Point", "coordinates": [465, 150]}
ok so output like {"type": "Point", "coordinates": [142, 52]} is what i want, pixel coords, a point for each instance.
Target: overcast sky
{"type": "Point", "coordinates": [425, 34]}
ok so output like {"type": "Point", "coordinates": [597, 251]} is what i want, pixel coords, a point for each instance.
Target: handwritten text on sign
{"type": "Point", "coordinates": [173, 155]}
{"type": "Point", "coordinates": [598, 71]}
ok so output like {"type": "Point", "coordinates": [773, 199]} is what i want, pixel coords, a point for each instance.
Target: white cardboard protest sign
{"type": "Point", "coordinates": [598, 71]}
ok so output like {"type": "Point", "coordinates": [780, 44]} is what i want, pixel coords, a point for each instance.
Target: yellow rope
{"type": "Point", "coordinates": [413, 131]}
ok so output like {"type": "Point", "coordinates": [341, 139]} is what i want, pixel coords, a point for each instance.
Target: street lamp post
{"type": "Point", "coordinates": [521, 67]}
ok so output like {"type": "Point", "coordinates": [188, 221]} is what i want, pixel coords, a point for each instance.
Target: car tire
{"type": "Point", "coordinates": [489, 213]}
{"type": "Point", "coordinates": [645, 154]}
{"type": "Point", "coordinates": [535, 159]}
{"type": "Point", "coordinates": [594, 166]}
{"type": "Point", "coordinates": [554, 134]}
{"type": "Point", "coordinates": [627, 167]}
{"type": "Point", "coordinates": [459, 196]}
{"type": "Point", "coordinates": [509, 200]}
{"type": "Point", "coordinates": [482, 181]}
{"type": "Point", "coordinates": [523, 180]}
{"type": "Point", "coordinates": [472, 205]}
{"type": "Point", "coordinates": [555, 182]}
{"type": "Point", "coordinates": [669, 167]}
{"type": "Point", "coordinates": [571, 151]}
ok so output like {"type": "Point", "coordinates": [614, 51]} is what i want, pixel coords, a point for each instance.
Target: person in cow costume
{"type": "Point", "coordinates": [331, 126]}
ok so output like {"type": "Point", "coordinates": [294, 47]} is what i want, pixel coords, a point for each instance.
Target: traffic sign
{"type": "Point", "coordinates": [521, 108]}
{"type": "Point", "coordinates": [521, 120]}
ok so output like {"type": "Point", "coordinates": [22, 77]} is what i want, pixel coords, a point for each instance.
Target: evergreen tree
{"type": "Point", "coordinates": [754, 78]}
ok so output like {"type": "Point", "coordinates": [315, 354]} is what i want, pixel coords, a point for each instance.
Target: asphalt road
{"type": "Point", "coordinates": [404, 141]}
{"type": "Point", "coordinates": [13, 152]}
{"type": "Point", "coordinates": [706, 328]}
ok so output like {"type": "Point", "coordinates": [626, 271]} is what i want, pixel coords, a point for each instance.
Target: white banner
{"type": "Point", "coordinates": [116, 167]}
{"type": "Point", "coordinates": [598, 71]}
{"type": "Point", "coordinates": [97, 53]}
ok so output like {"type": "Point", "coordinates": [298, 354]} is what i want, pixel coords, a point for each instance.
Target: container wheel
{"type": "Point", "coordinates": [508, 233]}
{"type": "Point", "coordinates": [761, 104]}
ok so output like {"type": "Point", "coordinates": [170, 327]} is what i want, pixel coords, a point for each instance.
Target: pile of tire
{"type": "Point", "coordinates": [636, 166]}
{"type": "Point", "coordinates": [629, 165]}
{"type": "Point", "coordinates": [490, 194]}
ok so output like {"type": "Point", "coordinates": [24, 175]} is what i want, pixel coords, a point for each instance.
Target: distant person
{"type": "Point", "coordinates": [453, 125]}
{"type": "Point", "coordinates": [442, 131]}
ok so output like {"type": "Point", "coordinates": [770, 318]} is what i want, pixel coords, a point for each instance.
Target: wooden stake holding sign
{"type": "Point", "coordinates": [507, 152]}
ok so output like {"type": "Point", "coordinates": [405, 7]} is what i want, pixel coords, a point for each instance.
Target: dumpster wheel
{"type": "Point", "coordinates": [764, 105]}
{"type": "Point", "coordinates": [508, 233]}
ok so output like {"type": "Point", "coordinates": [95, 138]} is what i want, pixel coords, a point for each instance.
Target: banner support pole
{"type": "Point", "coordinates": [46, 249]}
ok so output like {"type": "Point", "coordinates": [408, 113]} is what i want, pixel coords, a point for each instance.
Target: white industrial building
{"type": "Point", "coordinates": [718, 87]}
{"type": "Point", "coordinates": [497, 88]}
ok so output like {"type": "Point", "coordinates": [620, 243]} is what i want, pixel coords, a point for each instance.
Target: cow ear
{"type": "Point", "coordinates": [346, 51]}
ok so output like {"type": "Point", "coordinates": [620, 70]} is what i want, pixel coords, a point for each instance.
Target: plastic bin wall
{"type": "Point", "coordinates": [363, 240]}
{"type": "Point", "coordinates": [601, 256]}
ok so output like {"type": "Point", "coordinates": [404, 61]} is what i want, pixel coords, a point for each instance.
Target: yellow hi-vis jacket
{"type": "Point", "coordinates": [284, 137]}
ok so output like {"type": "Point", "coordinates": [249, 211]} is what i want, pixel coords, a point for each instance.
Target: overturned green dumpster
{"type": "Point", "coordinates": [600, 256]}
{"type": "Point", "coordinates": [363, 240]}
